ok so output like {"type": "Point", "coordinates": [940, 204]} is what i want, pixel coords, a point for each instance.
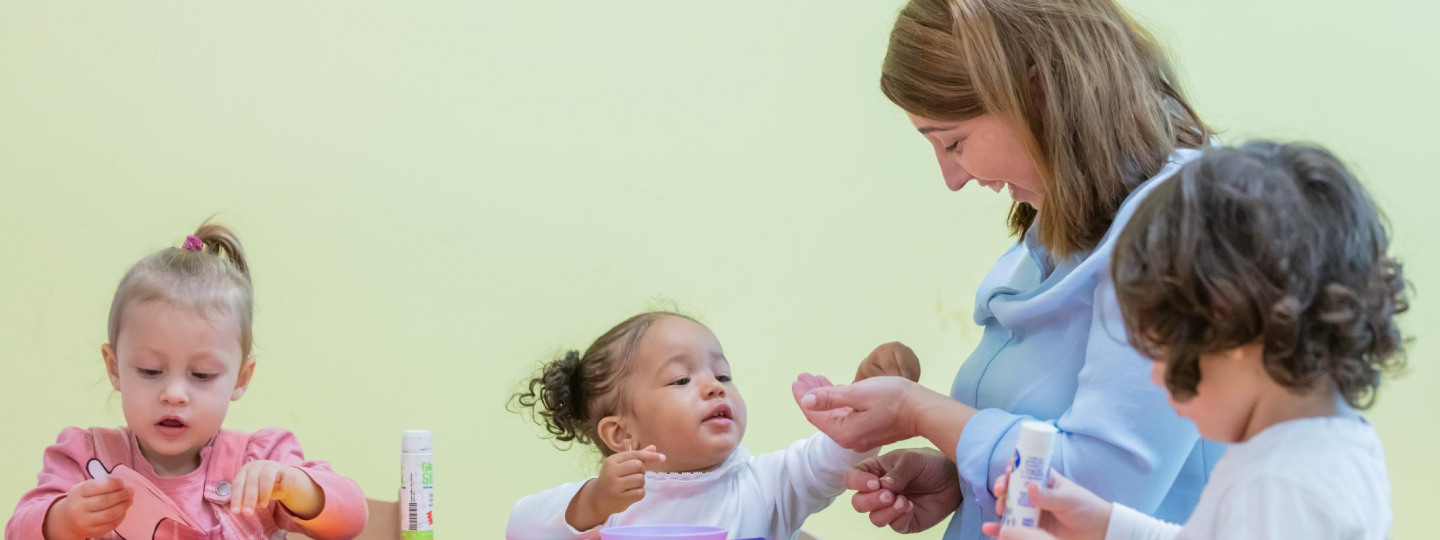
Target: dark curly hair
{"type": "Point", "coordinates": [1266, 241]}
{"type": "Point", "coordinates": [570, 395]}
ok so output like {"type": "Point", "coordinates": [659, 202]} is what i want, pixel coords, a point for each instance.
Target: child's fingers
{"type": "Point", "coordinates": [95, 488]}
{"type": "Point", "coordinates": [815, 381]}
{"type": "Point", "coordinates": [903, 470]}
{"type": "Point", "coordinates": [892, 512]}
{"type": "Point", "coordinates": [1044, 499]}
{"type": "Point", "coordinates": [265, 485]}
{"type": "Point", "coordinates": [642, 458]}
{"type": "Point", "coordinates": [633, 494]}
{"type": "Point", "coordinates": [121, 498]}
{"type": "Point", "coordinates": [990, 528]}
{"type": "Point", "coordinates": [650, 457]}
{"type": "Point", "coordinates": [630, 467]}
{"type": "Point", "coordinates": [909, 370]}
{"type": "Point", "coordinates": [1058, 502]}
{"type": "Point", "coordinates": [238, 492]}
{"type": "Point", "coordinates": [804, 381]}
{"type": "Point", "coordinates": [1059, 493]}
{"type": "Point", "coordinates": [645, 455]}
{"type": "Point", "coordinates": [92, 518]}
{"type": "Point", "coordinates": [88, 521]}
{"type": "Point", "coordinates": [1024, 533]}
{"type": "Point", "coordinates": [864, 477]}
{"type": "Point", "coordinates": [97, 503]}
{"type": "Point", "coordinates": [1002, 486]}
{"type": "Point", "coordinates": [799, 387]}
{"type": "Point", "coordinates": [631, 482]}
{"type": "Point", "coordinates": [111, 517]}
{"type": "Point", "coordinates": [873, 501]}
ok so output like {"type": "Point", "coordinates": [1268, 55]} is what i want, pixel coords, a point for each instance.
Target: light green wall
{"type": "Point", "coordinates": [437, 195]}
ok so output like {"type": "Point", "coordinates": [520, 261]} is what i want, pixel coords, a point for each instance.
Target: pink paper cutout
{"type": "Point", "coordinates": [150, 508]}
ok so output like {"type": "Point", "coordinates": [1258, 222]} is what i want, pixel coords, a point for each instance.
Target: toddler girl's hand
{"type": "Point", "coordinates": [1067, 511]}
{"type": "Point", "coordinates": [622, 479]}
{"type": "Point", "coordinates": [892, 358]}
{"type": "Point", "coordinates": [91, 509]}
{"type": "Point", "coordinates": [909, 490]}
{"type": "Point", "coordinates": [261, 481]}
{"type": "Point", "coordinates": [620, 484]}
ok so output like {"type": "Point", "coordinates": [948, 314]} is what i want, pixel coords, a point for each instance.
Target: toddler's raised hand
{"type": "Point", "coordinates": [620, 484]}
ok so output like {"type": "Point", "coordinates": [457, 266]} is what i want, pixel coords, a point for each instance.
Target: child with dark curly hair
{"type": "Point", "coordinates": [655, 394]}
{"type": "Point", "coordinates": [1258, 280]}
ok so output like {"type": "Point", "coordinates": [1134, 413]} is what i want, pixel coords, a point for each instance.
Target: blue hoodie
{"type": "Point", "coordinates": [1054, 350]}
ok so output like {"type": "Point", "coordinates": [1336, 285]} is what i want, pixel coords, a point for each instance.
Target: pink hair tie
{"type": "Point", "coordinates": [193, 243]}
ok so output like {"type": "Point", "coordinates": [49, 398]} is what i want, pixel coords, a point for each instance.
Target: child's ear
{"type": "Point", "coordinates": [614, 435]}
{"type": "Point", "coordinates": [242, 382]}
{"type": "Point", "coordinates": [112, 365]}
{"type": "Point", "coordinates": [1252, 353]}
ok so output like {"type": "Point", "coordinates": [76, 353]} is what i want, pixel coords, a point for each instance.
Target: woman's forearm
{"type": "Point", "coordinates": [938, 418]}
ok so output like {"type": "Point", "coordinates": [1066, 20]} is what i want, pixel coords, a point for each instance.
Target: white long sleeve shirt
{"type": "Point", "coordinates": [766, 496]}
{"type": "Point", "coordinates": [1313, 478]}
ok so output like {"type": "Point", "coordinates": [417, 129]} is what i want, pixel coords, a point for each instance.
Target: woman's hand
{"type": "Point", "coordinates": [892, 358]}
{"type": "Point", "coordinates": [881, 410]}
{"type": "Point", "coordinates": [1067, 511]}
{"type": "Point", "coordinates": [860, 416]}
{"type": "Point", "coordinates": [909, 490]}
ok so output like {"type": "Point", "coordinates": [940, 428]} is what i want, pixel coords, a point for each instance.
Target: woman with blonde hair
{"type": "Point", "coordinates": [1073, 108]}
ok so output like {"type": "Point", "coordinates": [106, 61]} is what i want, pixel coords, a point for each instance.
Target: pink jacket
{"type": "Point", "coordinates": [203, 495]}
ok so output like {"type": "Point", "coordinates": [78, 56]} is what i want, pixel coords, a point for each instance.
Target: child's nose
{"type": "Point", "coordinates": [713, 388]}
{"type": "Point", "coordinates": [174, 392]}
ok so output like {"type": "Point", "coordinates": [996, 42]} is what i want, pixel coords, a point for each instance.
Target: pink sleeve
{"type": "Point", "coordinates": [344, 513]}
{"type": "Point", "coordinates": [64, 466]}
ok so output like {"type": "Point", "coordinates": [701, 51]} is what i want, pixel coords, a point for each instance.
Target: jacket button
{"type": "Point", "coordinates": [222, 489]}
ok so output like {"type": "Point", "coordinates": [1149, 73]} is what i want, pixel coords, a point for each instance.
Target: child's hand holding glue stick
{"type": "Point", "coordinates": [1068, 511]}
{"type": "Point", "coordinates": [620, 484]}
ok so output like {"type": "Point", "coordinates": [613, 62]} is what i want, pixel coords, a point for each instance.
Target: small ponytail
{"type": "Point", "coordinates": [557, 395]}
{"type": "Point", "coordinates": [222, 242]}
{"type": "Point", "coordinates": [571, 394]}
{"type": "Point", "coordinates": [208, 271]}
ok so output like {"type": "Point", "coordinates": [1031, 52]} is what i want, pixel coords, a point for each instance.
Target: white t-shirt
{"type": "Point", "coordinates": [1312, 478]}
{"type": "Point", "coordinates": [767, 496]}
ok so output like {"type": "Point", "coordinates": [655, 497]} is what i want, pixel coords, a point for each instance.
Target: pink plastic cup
{"type": "Point", "coordinates": [662, 532]}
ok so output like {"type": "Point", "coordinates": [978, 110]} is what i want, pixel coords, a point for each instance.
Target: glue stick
{"type": "Point", "coordinates": [417, 486]}
{"type": "Point", "coordinates": [1032, 466]}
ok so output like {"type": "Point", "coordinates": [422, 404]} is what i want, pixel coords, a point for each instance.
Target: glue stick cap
{"type": "Point", "coordinates": [415, 440]}
{"type": "Point", "coordinates": [1036, 438]}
